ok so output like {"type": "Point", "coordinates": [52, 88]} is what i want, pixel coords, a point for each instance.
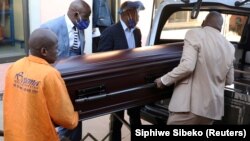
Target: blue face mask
{"type": "Point", "coordinates": [131, 23]}
{"type": "Point", "coordinates": [82, 24]}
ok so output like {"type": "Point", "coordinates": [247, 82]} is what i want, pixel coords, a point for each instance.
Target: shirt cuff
{"type": "Point", "coordinates": [163, 81]}
{"type": "Point", "coordinates": [166, 80]}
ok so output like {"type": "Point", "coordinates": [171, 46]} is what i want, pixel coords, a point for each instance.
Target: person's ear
{"type": "Point", "coordinates": [44, 51]}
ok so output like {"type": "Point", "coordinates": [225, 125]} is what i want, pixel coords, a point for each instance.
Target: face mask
{"type": "Point", "coordinates": [82, 24]}
{"type": "Point", "coordinates": [131, 23]}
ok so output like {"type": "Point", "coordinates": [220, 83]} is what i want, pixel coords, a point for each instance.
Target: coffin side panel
{"type": "Point", "coordinates": [120, 81]}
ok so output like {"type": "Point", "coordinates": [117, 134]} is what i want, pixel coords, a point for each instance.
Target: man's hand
{"type": "Point", "coordinates": [159, 84]}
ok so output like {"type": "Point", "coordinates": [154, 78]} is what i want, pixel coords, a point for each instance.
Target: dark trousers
{"type": "Point", "coordinates": [116, 124]}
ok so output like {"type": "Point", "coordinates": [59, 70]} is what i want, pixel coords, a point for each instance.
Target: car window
{"type": "Point", "coordinates": [180, 22]}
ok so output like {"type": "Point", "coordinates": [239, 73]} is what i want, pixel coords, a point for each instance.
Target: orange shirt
{"type": "Point", "coordinates": [35, 98]}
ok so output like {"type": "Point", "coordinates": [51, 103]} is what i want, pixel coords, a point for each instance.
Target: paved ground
{"type": "Point", "coordinates": [3, 69]}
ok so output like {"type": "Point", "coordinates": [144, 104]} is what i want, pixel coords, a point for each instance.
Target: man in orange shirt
{"type": "Point", "coordinates": [35, 95]}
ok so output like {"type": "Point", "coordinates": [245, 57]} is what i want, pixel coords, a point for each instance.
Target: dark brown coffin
{"type": "Point", "coordinates": [106, 82]}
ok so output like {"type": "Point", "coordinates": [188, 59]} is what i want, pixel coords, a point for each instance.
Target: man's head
{"type": "Point", "coordinates": [213, 19]}
{"type": "Point", "coordinates": [43, 43]}
{"type": "Point", "coordinates": [79, 12]}
{"type": "Point", "coordinates": [129, 12]}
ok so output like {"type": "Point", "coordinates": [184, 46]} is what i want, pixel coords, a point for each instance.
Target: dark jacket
{"type": "Point", "coordinates": [114, 38]}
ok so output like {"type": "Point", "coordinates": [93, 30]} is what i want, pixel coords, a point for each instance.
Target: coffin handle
{"type": "Point", "coordinates": [91, 91]}
{"type": "Point", "coordinates": [96, 97]}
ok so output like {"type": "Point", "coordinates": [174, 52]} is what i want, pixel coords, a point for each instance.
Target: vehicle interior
{"type": "Point", "coordinates": [177, 19]}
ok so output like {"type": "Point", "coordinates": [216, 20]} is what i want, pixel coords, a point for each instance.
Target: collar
{"type": "Point", "coordinates": [69, 23]}
{"type": "Point", "coordinates": [37, 60]}
{"type": "Point", "coordinates": [211, 28]}
{"type": "Point", "coordinates": [124, 26]}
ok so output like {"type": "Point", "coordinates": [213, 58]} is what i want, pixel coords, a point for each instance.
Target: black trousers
{"type": "Point", "coordinates": [116, 124]}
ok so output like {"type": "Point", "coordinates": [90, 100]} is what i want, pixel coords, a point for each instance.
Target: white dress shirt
{"type": "Point", "coordinates": [129, 35]}
{"type": "Point", "coordinates": [71, 31]}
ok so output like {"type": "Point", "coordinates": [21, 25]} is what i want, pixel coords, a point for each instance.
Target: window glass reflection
{"type": "Point", "coordinates": [11, 31]}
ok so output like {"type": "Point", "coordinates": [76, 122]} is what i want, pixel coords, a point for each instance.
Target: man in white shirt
{"type": "Point", "coordinates": [70, 32]}
{"type": "Point", "coordinates": [70, 29]}
{"type": "Point", "coordinates": [123, 35]}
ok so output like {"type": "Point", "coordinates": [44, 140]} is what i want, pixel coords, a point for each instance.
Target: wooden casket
{"type": "Point", "coordinates": [106, 82]}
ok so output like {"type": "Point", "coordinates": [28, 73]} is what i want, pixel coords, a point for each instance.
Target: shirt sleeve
{"type": "Point", "coordinates": [188, 60]}
{"type": "Point", "coordinates": [58, 101]}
